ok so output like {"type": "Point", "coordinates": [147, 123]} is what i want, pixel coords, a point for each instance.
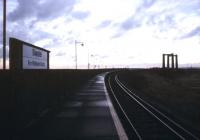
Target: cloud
{"type": "Point", "coordinates": [52, 9]}
{"type": "Point", "coordinates": [25, 9]}
{"type": "Point", "coordinates": [61, 54]}
{"type": "Point", "coordinates": [70, 40]}
{"type": "Point", "coordinates": [26, 33]}
{"type": "Point", "coordinates": [130, 23]}
{"type": "Point", "coordinates": [146, 4]}
{"type": "Point", "coordinates": [104, 24]}
{"type": "Point", "coordinates": [80, 14]}
{"type": "Point", "coordinates": [137, 18]}
{"type": "Point", "coordinates": [194, 32]}
{"type": "Point", "coordinates": [47, 9]}
{"type": "Point", "coordinates": [104, 56]}
{"type": "Point", "coordinates": [26, 19]}
{"type": "Point", "coordinates": [117, 35]}
{"type": "Point", "coordinates": [55, 24]}
{"type": "Point", "coordinates": [165, 18]}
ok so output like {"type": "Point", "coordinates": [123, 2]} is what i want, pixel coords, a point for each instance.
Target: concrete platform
{"type": "Point", "coordinates": [88, 114]}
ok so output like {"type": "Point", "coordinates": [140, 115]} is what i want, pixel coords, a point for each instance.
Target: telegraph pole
{"type": "Point", "coordinates": [4, 34]}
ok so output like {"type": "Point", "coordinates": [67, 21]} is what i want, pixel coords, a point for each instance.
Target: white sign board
{"type": "Point", "coordinates": [34, 58]}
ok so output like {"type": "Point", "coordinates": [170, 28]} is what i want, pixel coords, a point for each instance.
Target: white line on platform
{"type": "Point", "coordinates": [120, 130]}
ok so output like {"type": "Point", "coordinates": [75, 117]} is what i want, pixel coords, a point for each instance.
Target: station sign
{"type": "Point", "coordinates": [34, 58]}
{"type": "Point", "coordinates": [24, 55]}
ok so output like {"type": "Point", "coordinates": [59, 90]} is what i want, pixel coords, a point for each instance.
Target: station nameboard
{"type": "Point", "coordinates": [27, 56]}
{"type": "Point", "coordinates": [34, 58]}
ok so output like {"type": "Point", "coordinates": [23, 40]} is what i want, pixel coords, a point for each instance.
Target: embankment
{"type": "Point", "coordinates": [177, 92]}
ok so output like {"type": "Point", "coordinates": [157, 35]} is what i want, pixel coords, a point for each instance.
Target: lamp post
{"type": "Point", "coordinates": [77, 42]}
{"type": "Point", "coordinates": [4, 34]}
{"type": "Point", "coordinates": [88, 59]}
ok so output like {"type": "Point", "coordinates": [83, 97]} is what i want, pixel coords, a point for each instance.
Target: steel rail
{"type": "Point", "coordinates": [159, 112]}
{"type": "Point", "coordinates": [150, 112]}
{"type": "Point", "coordinates": [124, 113]}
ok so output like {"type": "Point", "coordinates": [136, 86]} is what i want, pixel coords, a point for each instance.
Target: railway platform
{"type": "Point", "coordinates": [87, 114]}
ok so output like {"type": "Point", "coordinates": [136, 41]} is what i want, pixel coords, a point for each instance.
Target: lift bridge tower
{"type": "Point", "coordinates": [172, 61]}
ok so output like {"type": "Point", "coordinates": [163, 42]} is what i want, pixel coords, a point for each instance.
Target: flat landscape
{"type": "Point", "coordinates": [28, 94]}
{"type": "Point", "coordinates": [176, 92]}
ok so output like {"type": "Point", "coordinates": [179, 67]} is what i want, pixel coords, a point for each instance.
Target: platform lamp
{"type": "Point", "coordinates": [82, 44]}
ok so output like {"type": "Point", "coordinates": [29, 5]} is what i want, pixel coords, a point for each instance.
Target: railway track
{"type": "Point", "coordinates": [140, 119]}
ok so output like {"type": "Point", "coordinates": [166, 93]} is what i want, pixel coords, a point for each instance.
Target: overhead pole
{"type": "Point", "coordinates": [88, 58]}
{"type": "Point", "coordinates": [4, 34]}
{"type": "Point", "coordinates": [76, 59]}
{"type": "Point", "coordinates": [75, 55]}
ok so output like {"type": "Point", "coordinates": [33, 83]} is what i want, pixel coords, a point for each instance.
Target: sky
{"type": "Point", "coordinates": [115, 33]}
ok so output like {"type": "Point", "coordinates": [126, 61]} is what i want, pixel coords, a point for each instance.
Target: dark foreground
{"type": "Point", "coordinates": [27, 95]}
{"type": "Point", "coordinates": [84, 116]}
{"type": "Point", "coordinates": [176, 92]}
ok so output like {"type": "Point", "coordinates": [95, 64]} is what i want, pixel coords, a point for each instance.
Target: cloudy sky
{"type": "Point", "coordinates": [131, 33]}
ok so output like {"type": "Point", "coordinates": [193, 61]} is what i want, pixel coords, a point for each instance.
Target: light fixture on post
{"type": "Point", "coordinates": [82, 44]}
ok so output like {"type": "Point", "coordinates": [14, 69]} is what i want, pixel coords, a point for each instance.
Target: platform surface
{"type": "Point", "coordinates": [85, 115]}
